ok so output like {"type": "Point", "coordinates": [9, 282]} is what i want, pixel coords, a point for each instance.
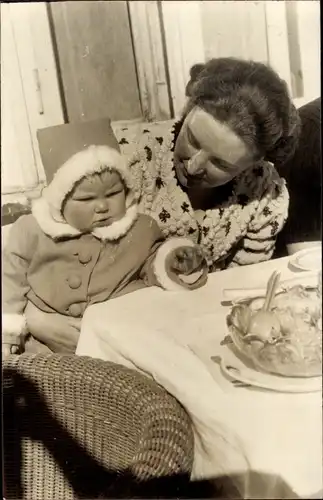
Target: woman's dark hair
{"type": "Point", "coordinates": [303, 175]}
{"type": "Point", "coordinates": [251, 98]}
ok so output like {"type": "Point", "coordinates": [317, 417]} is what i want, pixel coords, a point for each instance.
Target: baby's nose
{"type": "Point", "coordinates": [102, 206]}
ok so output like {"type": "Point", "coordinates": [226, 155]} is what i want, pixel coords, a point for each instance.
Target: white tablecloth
{"type": "Point", "coordinates": [282, 432]}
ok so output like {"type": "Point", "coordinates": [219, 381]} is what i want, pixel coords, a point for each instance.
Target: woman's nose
{"type": "Point", "coordinates": [196, 165]}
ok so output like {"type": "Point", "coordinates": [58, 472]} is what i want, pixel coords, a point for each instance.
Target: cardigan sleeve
{"type": "Point", "coordinates": [17, 255]}
{"type": "Point", "coordinates": [258, 244]}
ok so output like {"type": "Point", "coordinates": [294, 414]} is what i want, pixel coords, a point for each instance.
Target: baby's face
{"type": "Point", "coordinates": [96, 201]}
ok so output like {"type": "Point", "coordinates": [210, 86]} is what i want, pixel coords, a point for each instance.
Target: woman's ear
{"type": "Point", "coordinates": [195, 70]}
{"type": "Point", "coordinates": [286, 145]}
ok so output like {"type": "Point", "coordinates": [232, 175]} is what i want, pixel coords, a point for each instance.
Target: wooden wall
{"type": "Point", "coordinates": [96, 59]}
{"type": "Point", "coordinates": [30, 97]}
{"type": "Point", "coordinates": [234, 29]}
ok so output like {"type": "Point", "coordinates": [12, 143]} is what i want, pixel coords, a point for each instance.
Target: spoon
{"type": "Point", "coordinates": [264, 324]}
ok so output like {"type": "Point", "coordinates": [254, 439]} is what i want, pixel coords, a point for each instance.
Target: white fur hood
{"type": "Point", "coordinates": [47, 210]}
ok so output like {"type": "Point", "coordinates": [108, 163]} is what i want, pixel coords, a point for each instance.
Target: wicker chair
{"type": "Point", "coordinates": [76, 427]}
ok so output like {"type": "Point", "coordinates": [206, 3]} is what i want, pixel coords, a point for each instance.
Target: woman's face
{"type": "Point", "coordinates": [208, 153]}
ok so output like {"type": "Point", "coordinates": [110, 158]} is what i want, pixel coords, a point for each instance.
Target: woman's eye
{"type": "Point", "coordinates": [220, 164]}
{"type": "Point", "coordinates": [215, 161]}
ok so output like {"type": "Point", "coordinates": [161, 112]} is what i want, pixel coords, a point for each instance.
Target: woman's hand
{"type": "Point", "coordinates": [11, 344]}
{"type": "Point", "coordinates": [58, 332]}
{"type": "Point", "coordinates": [189, 265]}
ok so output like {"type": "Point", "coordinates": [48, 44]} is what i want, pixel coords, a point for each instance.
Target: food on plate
{"type": "Point", "coordinates": [285, 339]}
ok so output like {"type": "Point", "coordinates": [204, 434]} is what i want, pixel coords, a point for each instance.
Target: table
{"type": "Point", "coordinates": [282, 432]}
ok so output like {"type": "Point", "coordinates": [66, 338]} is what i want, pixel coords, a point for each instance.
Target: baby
{"type": "Point", "coordinates": [85, 241]}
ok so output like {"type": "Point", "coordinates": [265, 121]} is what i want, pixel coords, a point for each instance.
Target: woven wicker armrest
{"type": "Point", "coordinates": [72, 425]}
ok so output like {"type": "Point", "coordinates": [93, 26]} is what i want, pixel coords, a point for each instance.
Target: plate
{"type": "Point", "coordinates": [241, 295]}
{"type": "Point", "coordinates": [235, 369]}
{"type": "Point", "coordinates": [307, 260]}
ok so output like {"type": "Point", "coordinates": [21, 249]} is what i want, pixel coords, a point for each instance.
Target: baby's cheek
{"type": "Point", "coordinates": [90, 214]}
{"type": "Point", "coordinates": [85, 215]}
{"type": "Point", "coordinates": [121, 206]}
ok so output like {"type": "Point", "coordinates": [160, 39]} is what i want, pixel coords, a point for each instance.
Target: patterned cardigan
{"type": "Point", "coordinates": [248, 212]}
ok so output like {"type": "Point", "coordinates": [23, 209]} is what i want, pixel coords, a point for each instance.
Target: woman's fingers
{"type": "Point", "coordinates": [6, 351]}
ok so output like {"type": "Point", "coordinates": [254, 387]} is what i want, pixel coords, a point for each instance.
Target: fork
{"type": "Point", "coordinates": [234, 382]}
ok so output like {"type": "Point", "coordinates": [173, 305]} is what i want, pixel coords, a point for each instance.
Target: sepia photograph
{"type": "Point", "coordinates": [161, 230]}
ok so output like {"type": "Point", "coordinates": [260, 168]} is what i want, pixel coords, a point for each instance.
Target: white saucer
{"type": "Point", "coordinates": [237, 370]}
{"type": "Point", "coordinates": [309, 259]}
{"type": "Point", "coordinates": [240, 295]}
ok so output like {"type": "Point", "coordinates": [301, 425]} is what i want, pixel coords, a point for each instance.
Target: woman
{"type": "Point", "coordinates": [210, 177]}
{"type": "Point", "coordinates": [304, 182]}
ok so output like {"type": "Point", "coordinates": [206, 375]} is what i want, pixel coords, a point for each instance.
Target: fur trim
{"type": "Point", "coordinates": [192, 278]}
{"type": "Point", "coordinates": [13, 324]}
{"type": "Point", "coordinates": [94, 159]}
{"type": "Point", "coordinates": [41, 210]}
{"type": "Point", "coordinates": [159, 264]}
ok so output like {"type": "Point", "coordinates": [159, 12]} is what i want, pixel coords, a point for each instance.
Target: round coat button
{"type": "Point", "coordinates": [84, 257]}
{"type": "Point", "coordinates": [75, 310]}
{"type": "Point", "coordinates": [74, 281]}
